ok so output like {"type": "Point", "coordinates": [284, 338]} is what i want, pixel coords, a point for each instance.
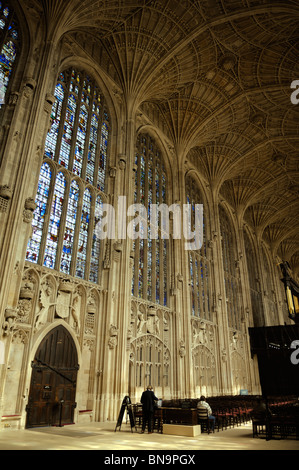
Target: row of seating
{"type": "Point", "coordinates": [282, 422]}
{"type": "Point", "coordinates": [231, 411]}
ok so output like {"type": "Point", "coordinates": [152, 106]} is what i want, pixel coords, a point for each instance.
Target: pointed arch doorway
{"type": "Point", "coordinates": [53, 381]}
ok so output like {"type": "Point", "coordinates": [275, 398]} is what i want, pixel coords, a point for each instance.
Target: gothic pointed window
{"type": "Point", "coordinates": [9, 46]}
{"type": "Point", "coordinates": [231, 273]}
{"type": "Point", "coordinates": [150, 273]}
{"type": "Point", "coordinates": [72, 180]}
{"type": "Point", "coordinates": [254, 282]}
{"type": "Point", "coordinates": [199, 262]}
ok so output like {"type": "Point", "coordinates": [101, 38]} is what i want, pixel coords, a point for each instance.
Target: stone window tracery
{"type": "Point", "coordinates": [150, 274]}
{"type": "Point", "coordinates": [71, 185]}
{"type": "Point", "coordinates": [231, 274]}
{"type": "Point", "coordinates": [199, 263]}
{"type": "Point", "coordinates": [254, 282]}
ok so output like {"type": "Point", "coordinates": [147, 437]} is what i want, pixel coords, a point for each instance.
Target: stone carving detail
{"type": "Point", "coordinates": [10, 316]}
{"type": "Point", "coordinates": [6, 191]}
{"type": "Point", "coordinates": [202, 333]}
{"type": "Point", "coordinates": [182, 348]}
{"type": "Point", "coordinates": [29, 208]}
{"type": "Point", "coordinates": [236, 341]}
{"type": "Point", "coordinates": [44, 303]}
{"type": "Point", "coordinates": [23, 310]}
{"type": "Point", "coordinates": [113, 333]}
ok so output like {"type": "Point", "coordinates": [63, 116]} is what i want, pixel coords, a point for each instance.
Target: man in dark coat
{"type": "Point", "coordinates": [148, 399]}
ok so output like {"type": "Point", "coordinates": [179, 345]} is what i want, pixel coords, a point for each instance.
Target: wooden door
{"type": "Point", "coordinates": [53, 381]}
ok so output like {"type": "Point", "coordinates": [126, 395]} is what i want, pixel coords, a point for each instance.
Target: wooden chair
{"type": "Point", "coordinates": [203, 420]}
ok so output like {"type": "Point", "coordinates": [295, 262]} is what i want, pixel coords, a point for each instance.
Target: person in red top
{"type": "Point", "coordinates": [148, 399]}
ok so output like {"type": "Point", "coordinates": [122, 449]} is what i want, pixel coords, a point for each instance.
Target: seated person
{"type": "Point", "coordinates": [202, 405]}
{"type": "Point", "coordinates": [260, 411]}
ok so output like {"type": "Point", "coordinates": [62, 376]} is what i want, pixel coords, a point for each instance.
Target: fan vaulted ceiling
{"type": "Point", "coordinates": [215, 76]}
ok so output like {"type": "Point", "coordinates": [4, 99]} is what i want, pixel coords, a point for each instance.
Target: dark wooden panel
{"type": "Point", "coordinates": [53, 382]}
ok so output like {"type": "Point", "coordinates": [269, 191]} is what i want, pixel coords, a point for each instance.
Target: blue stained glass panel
{"type": "Point", "coordinates": [41, 200]}
{"type": "Point", "coordinates": [68, 131]}
{"type": "Point", "coordinates": [103, 157]}
{"type": "Point", "coordinates": [54, 224]}
{"type": "Point", "coordinates": [92, 145]}
{"type": "Point", "coordinates": [51, 139]}
{"type": "Point", "coordinates": [70, 226]}
{"type": "Point", "coordinates": [83, 235]}
{"type": "Point", "coordinates": [7, 59]}
{"type": "Point", "coordinates": [80, 141]}
{"type": "Point", "coordinates": [96, 243]}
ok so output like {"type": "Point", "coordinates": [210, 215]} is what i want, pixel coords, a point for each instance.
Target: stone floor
{"type": "Point", "coordinates": [102, 436]}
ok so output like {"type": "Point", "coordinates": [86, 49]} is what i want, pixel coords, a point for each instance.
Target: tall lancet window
{"type": "Point", "coordinates": [150, 273]}
{"type": "Point", "coordinates": [231, 270]}
{"type": "Point", "coordinates": [254, 282]}
{"type": "Point", "coordinates": [70, 192]}
{"type": "Point", "coordinates": [199, 262]}
{"type": "Point", "coordinates": [9, 46]}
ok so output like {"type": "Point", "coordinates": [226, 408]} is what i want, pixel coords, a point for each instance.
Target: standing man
{"type": "Point", "coordinates": [148, 399]}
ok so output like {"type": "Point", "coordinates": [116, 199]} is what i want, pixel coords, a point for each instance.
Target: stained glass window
{"type": "Point", "coordinates": [80, 141]}
{"type": "Point", "coordinates": [103, 155]}
{"type": "Point", "coordinates": [39, 214]}
{"type": "Point", "coordinates": [83, 234]}
{"type": "Point", "coordinates": [52, 136]}
{"type": "Point", "coordinates": [54, 225]}
{"type": "Point", "coordinates": [69, 200]}
{"type": "Point", "coordinates": [9, 43]}
{"type": "Point", "coordinates": [70, 227]}
{"type": "Point", "coordinates": [96, 243]}
{"type": "Point", "coordinates": [199, 262]}
{"type": "Point", "coordinates": [91, 155]}
{"type": "Point", "coordinates": [65, 148]}
{"type": "Point", "coordinates": [150, 273]}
